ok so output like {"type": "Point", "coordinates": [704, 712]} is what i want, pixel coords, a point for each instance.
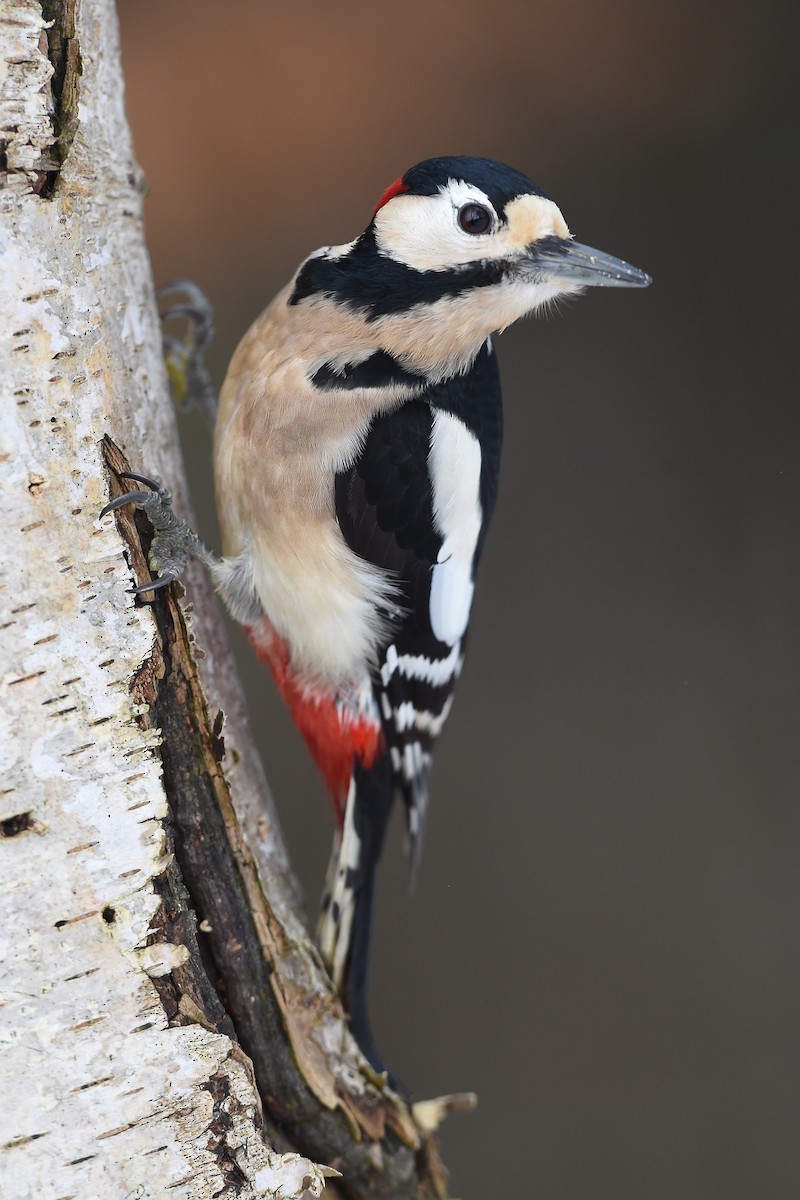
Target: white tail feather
{"type": "Point", "coordinates": [338, 905]}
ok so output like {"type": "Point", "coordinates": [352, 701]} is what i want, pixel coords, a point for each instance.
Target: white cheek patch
{"type": "Point", "coordinates": [423, 231]}
{"type": "Point", "coordinates": [455, 466]}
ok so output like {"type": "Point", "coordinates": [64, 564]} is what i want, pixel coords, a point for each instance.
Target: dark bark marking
{"type": "Point", "coordinates": [64, 53]}
{"type": "Point", "coordinates": [13, 826]}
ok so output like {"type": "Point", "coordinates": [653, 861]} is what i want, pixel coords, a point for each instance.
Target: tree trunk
{"type": "Point", "coordinates": [156, 972]}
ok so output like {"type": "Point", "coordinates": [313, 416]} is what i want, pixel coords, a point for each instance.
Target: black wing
{"type": "Point", "coordinates": [385, 509]}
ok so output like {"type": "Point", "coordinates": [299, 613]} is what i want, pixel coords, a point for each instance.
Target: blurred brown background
{"type": "Point", "coordinates": [603, 942]}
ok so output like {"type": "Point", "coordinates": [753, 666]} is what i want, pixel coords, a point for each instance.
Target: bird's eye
{"type": "Point", "coordinates": [474, 218]}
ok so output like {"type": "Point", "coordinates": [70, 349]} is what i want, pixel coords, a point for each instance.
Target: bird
{"type": "Point", "coordinates": [356, 456]}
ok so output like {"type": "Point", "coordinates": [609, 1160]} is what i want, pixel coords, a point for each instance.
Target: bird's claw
{"type": "Point", "coordinates": [174, 542]}
{"type": "Point", "coordinates": [162, 581]}
{"type": "Point", "coordinates": [149, 482]}
{"type": "Point", "coordinates": [189, 379]}
{"type": "Point", "coordinates": [137, 498]}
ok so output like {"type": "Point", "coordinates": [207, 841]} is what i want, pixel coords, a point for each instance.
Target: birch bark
{"type": "Point", "coordinates": [102, 1096]}
{"type": "Point", "coordinates": [132, 1062]}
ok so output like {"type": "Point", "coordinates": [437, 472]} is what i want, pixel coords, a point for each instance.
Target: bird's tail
{"type": "Point", "coordinates": [345, 924]}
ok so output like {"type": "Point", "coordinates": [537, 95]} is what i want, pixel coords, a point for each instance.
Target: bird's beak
{"type": "Point", "coordinates": [562, 259]}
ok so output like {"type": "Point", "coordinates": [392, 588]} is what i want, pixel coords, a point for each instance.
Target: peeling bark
{"type": "Point", "coordinates": [167, 1025]}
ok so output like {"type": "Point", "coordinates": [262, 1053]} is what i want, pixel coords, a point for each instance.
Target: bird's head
{"type": "Point", "coordinates": [488, 223]}
{"type": "Point", "coordinates": [457, 249]}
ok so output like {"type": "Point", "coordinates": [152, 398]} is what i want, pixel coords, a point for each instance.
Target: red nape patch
{"type": "Point", "coordinates": [394, 189]}
{"type": "Point", "coordinates": [335, 741]}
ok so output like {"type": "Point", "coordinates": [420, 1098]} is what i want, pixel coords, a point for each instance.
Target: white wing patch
{"type": "Point", "coordinates": [451, 599]}
{"type": "Point", "coordinates": [455, 466]}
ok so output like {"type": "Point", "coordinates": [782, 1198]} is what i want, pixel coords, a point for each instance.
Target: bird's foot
{"type": "Point", "coordinates": [189, 380]}
{"type": "Point", "coordinates": [174, 542]}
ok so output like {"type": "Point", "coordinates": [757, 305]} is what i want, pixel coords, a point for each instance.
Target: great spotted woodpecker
{"type": "Point", "coordinates": [356, 451]}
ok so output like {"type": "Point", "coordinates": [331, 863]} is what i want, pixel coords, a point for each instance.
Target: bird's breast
{"type": "Point", "coordinates": [278, 446]}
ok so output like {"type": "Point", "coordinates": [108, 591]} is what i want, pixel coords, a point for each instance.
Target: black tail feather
{"type": "Point", "coordinates": [374, 797]}
{"type": "Point", "coordinates": [348, 911]}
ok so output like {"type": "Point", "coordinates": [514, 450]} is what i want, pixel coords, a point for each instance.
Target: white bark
{"type": "Point", "coordinates": [100, 1097]}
